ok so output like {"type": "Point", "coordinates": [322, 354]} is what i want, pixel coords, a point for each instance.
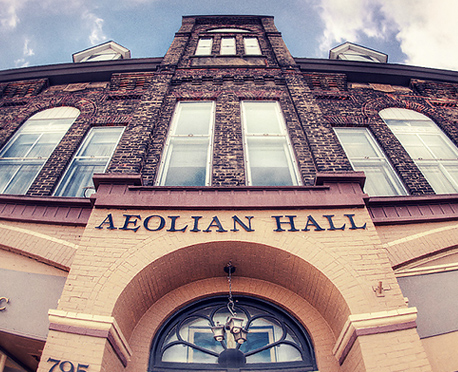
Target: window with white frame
{"type": "Point", "coordinates": [252, 46]}
{"type": "Point", "coordinates": [228, 46]}
{"type": "Point", "coordinates": [188, 152]}
{"type": "Point", "coordinates": [92, 157]}
{"type": "Point", "coordinates": [204, 46]}
{"type": "Point", "coordinates": [24, 155]}
{"type": "Point", "coordinates": [365, 155]}
{"type": "Point", "coordinates": [268, 153]}
{"type": "Point", "coordinates": [431, 150]}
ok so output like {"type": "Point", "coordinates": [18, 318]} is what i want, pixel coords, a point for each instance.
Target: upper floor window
{"type": "Point", "coordinates": [25, 154]}
{"type": "Point", "coordinates": [433, 153]}
{"type": "Point", "coordinates": [275, 341]}
{"type": "Point", "coordinates": [268, 154]}
{"type": "Point", "coordinates": [92, 157]}
{"type": "Point", "coordinates": [204, 46]}
{"type": "Point", "coordinates": [365, 155]}
{"type": "Point", "coordinates": [228, 46]}
{"type": "Point", "coordinates": [187, 156]}
{"type": "Point", "coordinates": [251, 46]}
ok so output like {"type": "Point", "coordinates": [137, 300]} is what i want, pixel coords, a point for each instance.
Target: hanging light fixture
{"type": "Point", "coordinates": [233, 324]}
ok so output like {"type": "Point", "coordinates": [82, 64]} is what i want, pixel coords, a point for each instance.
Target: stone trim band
{"type": "Point", "coordinates": [92, 326]}
{"type": "Point", "coordinates": [371, 324]}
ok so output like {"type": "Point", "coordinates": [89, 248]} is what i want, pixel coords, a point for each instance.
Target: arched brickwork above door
{"type": "Point", "coordinates": [255, 261]}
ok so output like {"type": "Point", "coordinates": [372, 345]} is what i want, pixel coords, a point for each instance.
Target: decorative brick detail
{"type": "Point", "coordinates": [123, 97]}
{"type": "Point", "coordinates": [435, 89]}
{"type": "Point", "coordinates": [13, 103]}
{"type": "Point", "coordinates": [24, 88]}
{"type": "Point", "coordinates": [139, 81]}
{"type": "Point", "coordinates": [326, 81]}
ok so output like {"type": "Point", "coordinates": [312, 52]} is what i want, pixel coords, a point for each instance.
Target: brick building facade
{"type": "Point", "coordinates": [341, 231]}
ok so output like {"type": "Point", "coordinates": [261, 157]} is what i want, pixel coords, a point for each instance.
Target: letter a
{"type": "Point", "coordinates": [109, 221]}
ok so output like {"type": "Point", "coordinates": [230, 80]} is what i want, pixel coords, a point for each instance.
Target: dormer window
{"type": "Point", "coordinates": [352, 52]}
{"type": "Point", "coordinates": [108, 51]}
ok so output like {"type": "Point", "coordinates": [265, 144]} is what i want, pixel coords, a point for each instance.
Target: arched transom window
{"type": "Point", "coordinates": [275, 341]}
{"type": "Point", "coordinates": [431, 150]}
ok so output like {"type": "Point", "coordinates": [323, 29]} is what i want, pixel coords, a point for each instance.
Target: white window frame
{"type": "Point", "coordinates": [51, 121]}
{"type": "Point", "coordinates": [191, 137]}
{"type": "Point", "coordinates": [204, 46]}
{"type": "Point", "coordinates": [228, 46]}
{"type": "Point", "coordinates": [364, 162]}
{"type": "Point", "coordinates": [281, 136]}
{"type": "Point", "coordinates": [401, 122]}
{"type": "Point", "coordinates": [100, 160]}
{"type": "Point", "coordinates": [251, 45]}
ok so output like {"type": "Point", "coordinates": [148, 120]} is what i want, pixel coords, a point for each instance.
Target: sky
{"type": "Point", "coordinates": [414, 32]}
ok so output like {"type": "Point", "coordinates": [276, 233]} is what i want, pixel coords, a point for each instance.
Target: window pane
{"type": "Point", "coordinates": [438, 145]}
{"type": "Point", "coordinates": [187, 164]}
{"type": "Point", "coordinates": [365, 155]}
{"type": "Point", "coordinates": [379, 179]}
{"type": "Point", "coordinates": [261, 118]}
{"type": "Point", "coordinates": [259, 338]}
{"type": "Point", "coordinates": [194, 118]}
{"type": "Point", "coordinates": [22, 179]}
{"type": "Point", "coordinates": [452, 170]}
{"type": "Point", "coordinates": [102, 142]}
{"type": "Point", "coordinates": [204, 47]}
{"type": "Point", "coordinates": [92, 157]}
{"type": "Point", "coordinates": [268, 163]}
{"type": "Point", "coordinates": [228, 45]}
{"type": "Point", "coordinates": [357, 144]}
{"type": "Point", "coordinates": [436, 177]}
{"type": "Point", "coordinates": [31, 146]}
{"type": "Point", "coordinates": [7, 170]}
{"type": "Point", "coordinates": [252, 46]}
{"type": "Point", "coordinates": [44, 124]}
{"type": "Point", "coordinates": [414, 146]}
{"type": "Point", "coordinates": [79, 176]}
{"type": "Point", "coordinates": [21, 146]}
{"type": "Point", "coordinates": [45, 145]}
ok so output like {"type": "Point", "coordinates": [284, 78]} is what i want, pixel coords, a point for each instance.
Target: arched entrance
{"type": "Point", "coordinates": [273, 341]}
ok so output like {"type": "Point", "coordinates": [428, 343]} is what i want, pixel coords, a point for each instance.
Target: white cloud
{"type": "Point", "coordinates": [346, 20]}
{"type": "Point", "coordinates": [9, 18]}
{"type": "Point", "coordinates": [96, 28]}
{"type": "Point", "coordinates": [425, 30]}
{"type": "Point", "coordinates": [27, 51]}
{"type": "Point", "coordinates": [21, 62]}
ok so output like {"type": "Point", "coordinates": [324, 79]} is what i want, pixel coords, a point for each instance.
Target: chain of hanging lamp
{"type": "Point", "coordinates": [233, 324]}
{"type": "Point", "coordinates": [230, 303]}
